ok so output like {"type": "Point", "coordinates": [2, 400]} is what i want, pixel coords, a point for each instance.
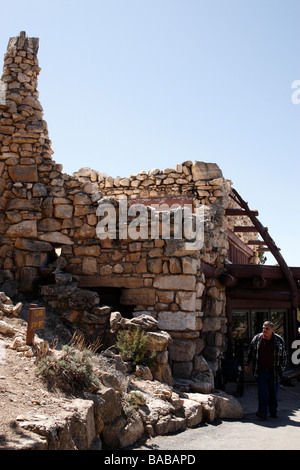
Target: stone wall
{"type": "Point", "coordinates": [43, 210]}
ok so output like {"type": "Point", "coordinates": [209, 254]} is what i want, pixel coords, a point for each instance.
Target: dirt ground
{"type": "Point", "coordinates": [22, 392]}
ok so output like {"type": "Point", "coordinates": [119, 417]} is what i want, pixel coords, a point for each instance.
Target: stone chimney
{"type": "Point", "coordinates": [24, 141]}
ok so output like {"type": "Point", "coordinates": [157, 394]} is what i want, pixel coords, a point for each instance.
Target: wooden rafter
{"type": "Point", "coordinates": [232, 211]}
{"type": "Point", "coordinates": [244, 228]}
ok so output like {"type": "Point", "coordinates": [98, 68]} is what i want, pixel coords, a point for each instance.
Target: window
{"type": "Point", "coordinates": [239, 325]}
{"type": "Point", "coordinates": [248, 323]}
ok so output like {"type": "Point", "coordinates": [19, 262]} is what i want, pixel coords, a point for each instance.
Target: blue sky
{"type": "Point", "coordinates": [130, 85]}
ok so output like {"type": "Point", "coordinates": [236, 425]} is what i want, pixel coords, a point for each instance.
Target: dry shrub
{"type": "Point", "coordinates": [70, 370]}
{"type": "Point", "coordinates": [79, 342]}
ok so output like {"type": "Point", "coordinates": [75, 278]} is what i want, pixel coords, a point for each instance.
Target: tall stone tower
{"type": "Point", "coordinates": [24, 141]}
{"type": "Point", "coordinates": [25, 161]}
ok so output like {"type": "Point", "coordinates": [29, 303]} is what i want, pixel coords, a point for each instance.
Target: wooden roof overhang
{"type": "Point", "coordinates": [259, 285]}
{"type": "Point", "coordinates": [252, 287]}
{"type": "Point", "coordinates": [271, 246]}
{"type": "Point", "coordinates": [255, 284]}
{"type": "Point", "coordinates": [259, 282]}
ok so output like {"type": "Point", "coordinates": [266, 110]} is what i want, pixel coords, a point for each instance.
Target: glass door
{"type": "Point", "coordinates": [240, 324]}
{"type": "Point", "coordinates": [257, 319]}
{"type": "Point", "coordinates": [279, 318]}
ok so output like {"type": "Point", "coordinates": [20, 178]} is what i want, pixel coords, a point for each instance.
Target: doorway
{"type": "Point", "coordinates": [248, 323]}
{"type": "Point", "coordinates": [111, 296]}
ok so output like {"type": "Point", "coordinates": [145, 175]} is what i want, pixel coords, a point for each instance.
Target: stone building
{"type": "Point", "coordinates": [151, 258]}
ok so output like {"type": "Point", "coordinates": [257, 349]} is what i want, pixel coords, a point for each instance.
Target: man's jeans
{"type": "Point", "coordinates": [267, 392]}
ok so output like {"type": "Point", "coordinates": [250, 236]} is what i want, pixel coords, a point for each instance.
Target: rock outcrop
{"type": "Point", "coordinates": [127, 405]}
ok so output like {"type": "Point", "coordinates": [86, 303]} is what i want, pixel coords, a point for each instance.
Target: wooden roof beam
{"type": "Point", "coordinates": [244, 228]}
{"type": "Point", "coordinates": [256, 242]}
{"type": "Point", "coordinates": [261, 244]}
{"type": "Point", "coordinates": [231, 211]}
{"type": "Point", "coordinates": [244, 271]}
{"type": "Point", "coordinates": [258, 294]}
{"type": "Point", "coordinates": [263, 249]}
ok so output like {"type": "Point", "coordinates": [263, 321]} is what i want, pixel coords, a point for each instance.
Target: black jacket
{"type": "Point", "coordinates": [280, 355]}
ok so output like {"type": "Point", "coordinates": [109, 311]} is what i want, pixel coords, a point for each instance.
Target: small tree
{"type": "Point", "coordinates": [262, 257]}
{"type": "Point", "coordinates": [132, 346]}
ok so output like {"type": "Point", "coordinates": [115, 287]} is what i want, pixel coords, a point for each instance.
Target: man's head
{"type": "Point", "coordinates": [268, 329]}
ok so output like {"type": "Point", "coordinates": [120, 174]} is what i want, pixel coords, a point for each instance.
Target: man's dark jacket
{"type": "Point", "coordinates": [280, 355]}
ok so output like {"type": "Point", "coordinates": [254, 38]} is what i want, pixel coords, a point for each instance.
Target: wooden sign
{"type": "Point", "coordinates": [36, 321]}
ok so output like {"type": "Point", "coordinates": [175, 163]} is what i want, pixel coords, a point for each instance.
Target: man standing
{"type": "Point", "coordinates": [268, 355]}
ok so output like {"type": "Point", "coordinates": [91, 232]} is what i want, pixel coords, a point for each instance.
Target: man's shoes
{"type": "Point", "coordinates": [261, 416]}
{"type": "Point", "coordinates": [273, 415]}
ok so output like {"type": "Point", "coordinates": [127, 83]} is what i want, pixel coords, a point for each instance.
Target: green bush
{"type": "Point", "coordinates": [132, 346]}
{"type": "Point", "coordinates": [71, 371]}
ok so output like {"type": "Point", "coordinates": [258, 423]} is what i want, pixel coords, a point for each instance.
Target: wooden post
{"type": "Point", "coordinates": [30, 334]}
